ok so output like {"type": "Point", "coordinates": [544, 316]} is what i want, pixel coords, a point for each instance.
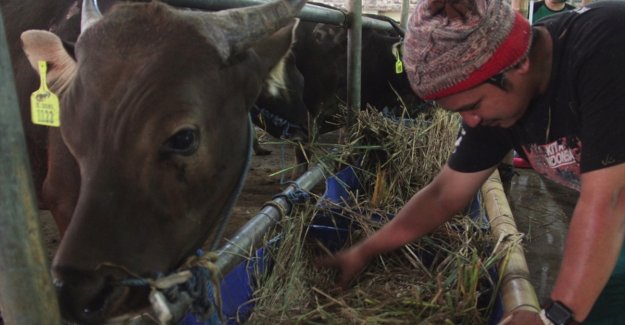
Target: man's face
{"type": "Point", "coordinates": [490, 105]}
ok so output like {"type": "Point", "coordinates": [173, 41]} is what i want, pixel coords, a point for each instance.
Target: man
{"type": "Point", "coordinates": [546, 8]}
{"type": "Point", "coordinates": [555, 93]}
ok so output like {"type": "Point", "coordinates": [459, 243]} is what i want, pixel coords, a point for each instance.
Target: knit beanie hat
{"type": "Point", "coordinates": [454, 45]}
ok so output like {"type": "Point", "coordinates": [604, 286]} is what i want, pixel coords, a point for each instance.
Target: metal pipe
{"type": "Point", "coordinates": [310, 12]}
{"type": "Point", "coordinates": [26, 292]}
{"type": "Point", "coordinates": [405, 13]}
{"type": "Point", "coordinates": [354, 61]}
{"type": "Point", "coordinates": [249, 236]}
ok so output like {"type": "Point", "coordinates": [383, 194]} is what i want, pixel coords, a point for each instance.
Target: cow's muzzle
{"type": "Point", "coordinates": [95, 297]}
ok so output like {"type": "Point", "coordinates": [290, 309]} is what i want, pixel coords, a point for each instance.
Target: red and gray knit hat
{"type": "Point", "coordinates": [454, 45]}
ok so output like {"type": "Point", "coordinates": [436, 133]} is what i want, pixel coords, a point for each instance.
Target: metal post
{"type": "Point", "coordinates": [354, 60]}
{"type": "Point", "coordinates": [405, 12]}
{"type": "Point", "coordinates": [26, 292]}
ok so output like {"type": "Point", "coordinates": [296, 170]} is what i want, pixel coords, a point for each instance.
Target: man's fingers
{"type": "Point", "coordinates": [327, 261]}
{"type": "Point", "coordinates": [345, 281]}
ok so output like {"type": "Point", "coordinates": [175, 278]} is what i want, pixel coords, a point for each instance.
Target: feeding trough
{"type": "Point", "coordinates": [332, 222]}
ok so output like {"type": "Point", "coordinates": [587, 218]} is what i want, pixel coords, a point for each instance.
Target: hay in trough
{"type": "Point", "coordinates": [443, 278]}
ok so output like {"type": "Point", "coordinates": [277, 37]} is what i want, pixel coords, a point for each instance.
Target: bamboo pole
{"type": "Point", "coordinates": [516, 290]}
{"type": "Point", "coordinates": [521, 6]}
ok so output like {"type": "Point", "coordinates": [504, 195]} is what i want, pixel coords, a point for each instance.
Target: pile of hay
{"type": "Point", "coordinates": [443, 278]}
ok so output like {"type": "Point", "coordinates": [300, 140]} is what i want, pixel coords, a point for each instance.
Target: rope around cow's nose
{"type": "Point", "coordinates": [192, 285]}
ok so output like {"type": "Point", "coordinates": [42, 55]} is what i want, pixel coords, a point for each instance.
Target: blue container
{"type": "Point", "coordinates": [237, 288]}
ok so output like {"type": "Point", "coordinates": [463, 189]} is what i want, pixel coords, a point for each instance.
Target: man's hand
{"type": "Point", "coordinates": [349, 262]}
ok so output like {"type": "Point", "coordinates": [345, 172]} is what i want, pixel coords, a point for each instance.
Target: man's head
{"type": "Point", "coordinates": [457, 50]}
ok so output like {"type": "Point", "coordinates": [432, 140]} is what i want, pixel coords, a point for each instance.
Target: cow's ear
{"type": "Point", "coordinates": [70, 48]}
{"type": "Point", "coordinates": [272, 49]}
{"type": "Point", "coordinates": [43, 45]}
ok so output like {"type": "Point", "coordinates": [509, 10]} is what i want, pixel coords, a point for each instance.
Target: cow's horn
{"type": "Point", "coordinates": [241, 27]}
{"type": "Point", "coordinates": [90, 14]}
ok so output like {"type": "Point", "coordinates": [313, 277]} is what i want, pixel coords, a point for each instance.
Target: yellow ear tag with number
{"type": "Point", "coordinates": [399, 67]}
{"type": "Point", "coordinates": [44, 105]}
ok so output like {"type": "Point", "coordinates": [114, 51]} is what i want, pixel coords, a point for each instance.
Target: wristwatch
{"type": "Point", "coordinates": [558, 313]}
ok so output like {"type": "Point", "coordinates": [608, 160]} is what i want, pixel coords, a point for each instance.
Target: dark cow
{"type": "Point", "coordinates": [316, 74]}
{"type": "Point", "coordinates": [154, 134]}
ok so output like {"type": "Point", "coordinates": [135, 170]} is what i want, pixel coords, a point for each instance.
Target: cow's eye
{"type": "Point", "coordinates": [184, 142]}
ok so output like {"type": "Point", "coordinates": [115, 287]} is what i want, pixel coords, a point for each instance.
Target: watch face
{"type": "Point", "coordinates": [558, 313]}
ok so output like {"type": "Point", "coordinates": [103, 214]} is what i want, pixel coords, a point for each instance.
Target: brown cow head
{"type": "Point", "coordinates": [154, 113]}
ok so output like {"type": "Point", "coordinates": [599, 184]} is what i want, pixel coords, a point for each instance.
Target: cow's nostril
{"type": "Point", "coordinates": [88, 297]}
{"type": "Point", "coordinates": [98, 303]}
{"type": "Point", "coordinates": [81, 301]}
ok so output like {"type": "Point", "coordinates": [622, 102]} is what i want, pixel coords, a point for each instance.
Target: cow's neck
{"type": "Point", "coordinates": [237, 190]}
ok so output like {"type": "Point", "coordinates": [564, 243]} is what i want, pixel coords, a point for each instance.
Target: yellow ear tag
{"type": "Point", "coordinates": [44, 105]}
{"type": "Point", "coordinates": [399, 67]}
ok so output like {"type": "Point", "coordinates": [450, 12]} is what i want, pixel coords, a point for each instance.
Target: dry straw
{"type": "Point", "coordinates": [443, 278]}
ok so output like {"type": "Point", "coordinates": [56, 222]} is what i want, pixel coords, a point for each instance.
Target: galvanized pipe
{"type": "Point", "coordinates": [405, 13]}
{"type": "Point", "coordinates": [246, 240]}
{"type": "Point", "coordinates": [354, 61]}
{"type": "Point", "coordinates": [26, 292]}
{"type": "Point", "coordinates": [310, 12]}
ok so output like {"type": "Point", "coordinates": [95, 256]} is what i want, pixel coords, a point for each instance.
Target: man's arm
{"type": "Point", "coordinates": [594, 240]}
{"type": "Point", "coordinates": [447, 194]}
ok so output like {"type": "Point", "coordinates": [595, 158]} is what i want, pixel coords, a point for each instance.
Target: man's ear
{"type": "Point", "coordinates": [523, 66]}
{"type": "Point", "coordinates": [43, 45]}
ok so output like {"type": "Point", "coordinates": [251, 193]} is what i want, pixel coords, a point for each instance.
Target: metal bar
{"type": "Point", "coordinates": [248, 237]}
{"type": "Point", "coordinates": [405, 13]}
{"type": "Point", "coordinates": [354, 61]}
{"type": "Point", "coordinates": [310, 12]}
{"type": "Point", "coordinates": [26, 292]}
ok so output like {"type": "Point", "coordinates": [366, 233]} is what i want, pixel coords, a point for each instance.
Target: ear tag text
{"type": "Point", "coordinates": [44, 105]}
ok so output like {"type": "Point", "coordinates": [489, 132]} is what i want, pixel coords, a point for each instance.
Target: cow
{"type": "Point", "coordinates": [316, 81]}
{"type": "Point", "coordinates": [154, 137]}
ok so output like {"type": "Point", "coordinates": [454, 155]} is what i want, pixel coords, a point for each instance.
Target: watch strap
{"type": "Point", "coordinates": [558, 313]}
{"type": "Point", "coordinates": [544, 318]}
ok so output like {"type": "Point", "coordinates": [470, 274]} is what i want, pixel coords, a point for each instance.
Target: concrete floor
{"type": "Point", "coordinates": [542, 210]}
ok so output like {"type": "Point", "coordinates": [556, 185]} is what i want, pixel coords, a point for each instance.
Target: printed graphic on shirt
{"type": "Point", "coordinates": [463, 132]}
{"type": "Point", "coordinates": [558, 160]}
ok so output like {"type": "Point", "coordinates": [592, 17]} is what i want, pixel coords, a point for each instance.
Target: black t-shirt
{"type": "Point", "coordinates": [584, 104]}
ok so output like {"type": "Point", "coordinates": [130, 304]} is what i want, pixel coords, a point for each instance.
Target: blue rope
{"type": "Point", "coordinates": [199, 288]}
{"type": "Point", "coordinates": [278, 121]}
{"type": "Point", "coordinates": [201, 291]}
{"type": "Point", "coordinates": [135, 282]}
{"type": "Point", "coordinates": [295, 197]}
